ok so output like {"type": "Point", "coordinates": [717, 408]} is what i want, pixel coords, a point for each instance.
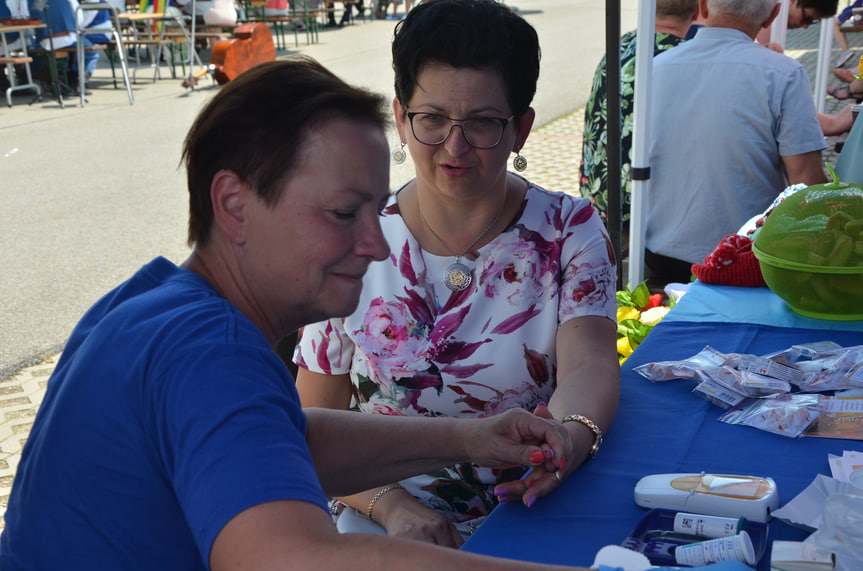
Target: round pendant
{"type": "Point", "coordinates": [399, 155]}
{"type": "Point", "coordinates": [457, 277]}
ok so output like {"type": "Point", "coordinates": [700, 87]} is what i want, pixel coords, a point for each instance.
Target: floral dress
{"type": "Point", "coordinates": [594, 153]}
{"type": "Point", "coordinates": [413, 347]}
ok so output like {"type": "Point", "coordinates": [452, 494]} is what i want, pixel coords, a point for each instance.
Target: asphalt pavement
{"type": "Point", "coordinates": [92, 193]}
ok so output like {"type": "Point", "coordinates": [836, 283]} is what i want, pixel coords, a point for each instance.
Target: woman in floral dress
{"type": "Point", "coordinates": [497, 293]}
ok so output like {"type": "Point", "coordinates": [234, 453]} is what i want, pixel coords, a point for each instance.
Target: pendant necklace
{"type": "Point", "coordinates": [457, 276]}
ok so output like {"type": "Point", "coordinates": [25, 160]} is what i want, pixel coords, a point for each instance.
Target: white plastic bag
{"type": "Point", "coordinates": [841, 531]}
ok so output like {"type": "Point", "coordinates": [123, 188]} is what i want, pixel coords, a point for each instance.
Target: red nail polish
{"type": "Point", "coordinates": [536, 457]}
{"type": "Point", "coordinates": [562, 462]}
{"type": "Point", "coordinates": [530, 484]}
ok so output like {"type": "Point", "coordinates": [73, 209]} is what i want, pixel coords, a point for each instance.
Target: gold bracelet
{"type": "Point", "coordinates": [597, 432]}
{"type": "Point", "coordinates": [380, 493]}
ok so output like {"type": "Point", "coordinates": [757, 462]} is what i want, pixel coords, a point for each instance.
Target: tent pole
{"type": "Point", "coordinates": [613, 126]}
{"type": "Point", "coordinates": [779, 27]}
{"type": "Point", "coordinates": [822, 70]}
{"type": "Point", "coordinates": [641, 138]}
{"type": "Point", "coordinates": [192, 52]}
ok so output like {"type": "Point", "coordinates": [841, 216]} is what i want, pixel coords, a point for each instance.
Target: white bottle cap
{"type": "Point", "coordinates": [744, 547]}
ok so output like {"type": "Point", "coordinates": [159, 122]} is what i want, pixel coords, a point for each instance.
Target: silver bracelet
{"type": "Point", "coordinates": [597, 432]}
{"type": "Point", "coordinates": [380, 493]}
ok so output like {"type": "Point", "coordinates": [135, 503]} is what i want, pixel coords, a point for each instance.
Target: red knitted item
{"type": "Point", "coordinates": [731, 263]}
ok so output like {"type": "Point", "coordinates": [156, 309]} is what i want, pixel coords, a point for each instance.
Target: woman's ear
{"type": "Point", "coordinates": [230, 196]}
{"type": "Point", "coordinates": [524, 125]}
{"type": "Point", "coordinates": [400, 114]}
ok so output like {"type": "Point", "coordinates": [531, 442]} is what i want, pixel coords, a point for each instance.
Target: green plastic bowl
{"type": "Point", "coordinates": [810, 250]}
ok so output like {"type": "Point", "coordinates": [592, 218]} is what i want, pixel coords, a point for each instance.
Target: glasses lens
{"type": "Point", "coordinates": [482, 133]}
{"type": "Point", "coordinates": [429, 128]}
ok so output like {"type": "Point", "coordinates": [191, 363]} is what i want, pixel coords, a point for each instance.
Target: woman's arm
{"type": "Point", "coordinates": [324, 391]}
{"type": "Point", "coordinates": [588, 379]}
{"type": "Point", "coordinates": [298, 535]}
{"type": "Point", "coordinates": [397, 510]}
{"type": "Point", "coordinates": [353, 452]}
{"type": "Point", "coordinates": [588, 384]}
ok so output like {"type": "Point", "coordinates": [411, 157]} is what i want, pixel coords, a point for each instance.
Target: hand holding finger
{"type": "Point", "coordinates": [512, 439]}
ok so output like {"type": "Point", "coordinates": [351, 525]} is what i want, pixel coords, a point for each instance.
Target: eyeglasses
{"type": "Point", "coordinates": [479, 132]}
{"type": "Point", "coordinates": [807, 19]}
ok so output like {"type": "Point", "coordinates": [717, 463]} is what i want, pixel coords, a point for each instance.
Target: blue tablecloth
{"type": "Point", "coordinates": [704, 302]}
{"type": "Point", "coordinates": [663, 428]}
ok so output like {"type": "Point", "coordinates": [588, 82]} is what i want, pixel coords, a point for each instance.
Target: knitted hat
{"type": "Point", "coordinates": [731, 263]}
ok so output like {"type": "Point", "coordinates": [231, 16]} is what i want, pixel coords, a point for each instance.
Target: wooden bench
{"type": "Point", "coordinates": [13, 85]}
{"type": "Point", "coordinates": [15, 60]}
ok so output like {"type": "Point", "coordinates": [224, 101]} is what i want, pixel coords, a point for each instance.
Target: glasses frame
{"type": "Point", "coordinates": [807, 19]}
{"type": "Point", "coordinates": [458, 122]}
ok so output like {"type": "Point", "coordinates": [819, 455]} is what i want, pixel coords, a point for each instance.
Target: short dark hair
{"type": "Point", "coordinates": [256, 125]}
{"type": "Point", "coordinates": [826, 8]}
{"type": "Point", "coordinates": [476, 34]}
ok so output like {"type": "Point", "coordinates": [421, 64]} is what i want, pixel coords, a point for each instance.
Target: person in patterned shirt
{"type": "Point", "coordinates": [498, 294]}
{"type": "Point", "coordinates": [673, 19]}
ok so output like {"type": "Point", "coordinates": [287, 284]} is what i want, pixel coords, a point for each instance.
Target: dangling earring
{"type": "Point", "coordinates": [399, 155]}
{"type": "Point", "coordinates": [519, 163]}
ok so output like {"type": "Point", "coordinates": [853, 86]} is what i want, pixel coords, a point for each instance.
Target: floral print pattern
{"type": "Point", "coordinates": [413, 347]}
{"type": "Point", "coordinates": [594, 157]}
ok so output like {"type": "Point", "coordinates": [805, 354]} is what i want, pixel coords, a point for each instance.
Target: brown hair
{"type": "Point", "coordinates": [256, 126]}
{"type": "Point", "coordinates": [682, 8]}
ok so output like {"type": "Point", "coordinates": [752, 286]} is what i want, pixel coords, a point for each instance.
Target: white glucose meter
{"type": "Point", "coordinates": [711, 494]}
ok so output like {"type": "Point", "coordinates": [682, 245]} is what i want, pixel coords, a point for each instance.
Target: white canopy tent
{"type": "Point", "coordinates": [641, 108]}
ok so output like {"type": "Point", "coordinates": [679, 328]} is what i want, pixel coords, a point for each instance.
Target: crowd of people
{"type": "Point", "coordinates": [712, 171]}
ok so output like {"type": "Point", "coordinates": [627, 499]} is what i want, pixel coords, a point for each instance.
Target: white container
{"type": "Point", "coordinates": [734, 548]}
{"type": "Point", "coordinates": [708, 526]}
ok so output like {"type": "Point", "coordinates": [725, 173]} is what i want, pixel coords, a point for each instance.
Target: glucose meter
{"type": "Point", "coordinates": [724, 495]}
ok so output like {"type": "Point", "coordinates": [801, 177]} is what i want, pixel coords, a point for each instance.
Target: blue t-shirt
{"type": "Point", "coordinates": [167, 415]}
{"type": "Point", "coordinates": [62, 18]}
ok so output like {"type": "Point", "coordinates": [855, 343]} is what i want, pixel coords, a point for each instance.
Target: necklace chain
{"type": "Point", "coordinates": [478, 238]}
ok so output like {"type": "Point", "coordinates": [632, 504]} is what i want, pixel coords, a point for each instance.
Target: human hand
{"type": "Point", "coordinates": [775, 47]}
{"type": "Point", "coordinates": [844, 119]}
{"type": "Point", "coordinates": [543, 478]}
{"type": "Point", "coordinates": [514, 438]}
{"type": "Point", "coordinates": [405, 517]}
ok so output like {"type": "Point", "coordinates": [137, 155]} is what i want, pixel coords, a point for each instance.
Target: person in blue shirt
{"type": "Point", "coordinates": [61, 32]}
{"type": "Point", "coordinates": [171, 435]}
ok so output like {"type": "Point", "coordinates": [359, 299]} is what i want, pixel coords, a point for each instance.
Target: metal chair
{"type": "Point", "coordinates": [118, 45]}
